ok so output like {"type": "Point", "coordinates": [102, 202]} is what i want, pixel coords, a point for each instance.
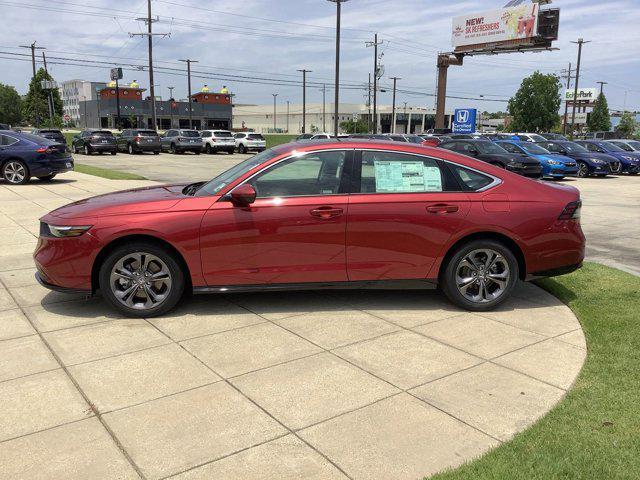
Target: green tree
{"type": "Point", "coordinates": [628, 125]}
{"type": "Point", "coordinates": [351, 126]}
{"type": "Point", "coordinates": [35, 103]}
{"type": "Point", "coordinates": [535, 105]}
{"type": "Point", "coordinates": [599, 120]}
{"type": "Point", "coordinates": [10, 105]}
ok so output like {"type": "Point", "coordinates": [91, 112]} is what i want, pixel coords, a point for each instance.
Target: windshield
{"type": "Point", "coordinates": [189, 133]}
{"type": "Point", "coordinates": [37, 139]}
{"type": "Point", "coordinates": [225, 178]}
{"type": "Point", "coordinates": [146, 133]}
{"type": "Point", "coordinates": [610, 147]}
{"type": "Point", "coordinates": [534, 149]}
{"type": "Point", "coordinates": [490, 147]}
{"type": "Point", "coordinates": [414, 139]}
{"type": "Point", "coordinates": [634, 144]}
{"type": "Point", "coordinates": [255, 136]}
{"type": "Point", "coordinates": [573, 147]}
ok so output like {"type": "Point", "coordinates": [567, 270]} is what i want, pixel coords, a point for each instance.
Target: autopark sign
{"type": "Point", "coordinates": [506, 24]}
{"type": "Point", "coordinates": [584, 94]}
{"type": "Point", "coordinates": [464, 120]}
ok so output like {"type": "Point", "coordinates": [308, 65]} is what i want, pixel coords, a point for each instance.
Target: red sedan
{"type": "Point", "coordinates": [338, 214]}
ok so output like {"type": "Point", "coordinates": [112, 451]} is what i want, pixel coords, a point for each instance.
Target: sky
{"type": "Point", "coordinates": [271, 39]}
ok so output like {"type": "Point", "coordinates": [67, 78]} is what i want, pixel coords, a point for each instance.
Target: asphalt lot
{"type": "Point", "coordinates": [611, 218]}
{"type": "Point", "coordinates": [329, 385]}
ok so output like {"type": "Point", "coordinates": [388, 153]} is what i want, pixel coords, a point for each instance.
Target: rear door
{"type": "Point", "coordinates": [403, 211]}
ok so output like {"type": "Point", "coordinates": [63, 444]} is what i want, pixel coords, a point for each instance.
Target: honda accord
{"type": "Point", "coordinates": [318, 215]}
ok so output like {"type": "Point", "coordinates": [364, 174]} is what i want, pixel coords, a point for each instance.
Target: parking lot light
{"type": "Point", "coordinates": [337, 86]}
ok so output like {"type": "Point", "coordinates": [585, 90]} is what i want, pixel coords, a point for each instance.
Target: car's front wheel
{"type": "Point", "coordinates": [130, 149]}
{"type": "Point", "coordinates": [242, 149]}
{"type": "Point", "coordinates": [87, 151]}
{"type": "Point", "coordinates": [15, 172]}
{"type": "Point", "coordinates": [480, 275]}
{"type": "Point", "coordinates": [141, 279]}
{"type": "Point", "coordinates": [583, 170]}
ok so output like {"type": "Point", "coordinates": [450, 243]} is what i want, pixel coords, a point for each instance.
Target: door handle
{"type": "Point", "coordinates": [442, 208]}
{"type": "Point", "coordinates": [326, 213]}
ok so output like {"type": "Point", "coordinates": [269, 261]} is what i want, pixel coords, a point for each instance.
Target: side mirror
{"type": "Point", "coordinates": [473, 152]}
{"type": "Point", "coordinates": [243, 196]}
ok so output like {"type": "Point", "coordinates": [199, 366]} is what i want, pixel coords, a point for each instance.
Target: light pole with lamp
{"type": "Point", "coordinates": [337, 86]}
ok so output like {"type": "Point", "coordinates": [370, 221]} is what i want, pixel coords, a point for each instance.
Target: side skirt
{"type": "Point", "coordinates": [362, 285]}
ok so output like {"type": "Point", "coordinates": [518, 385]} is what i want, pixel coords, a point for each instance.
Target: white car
{"type": "Point", "coordinates": [214, 141]}
{"type": "Point", "coordinates": [248, 141]}
{"type": "Point", "coordinates": [530, 137]}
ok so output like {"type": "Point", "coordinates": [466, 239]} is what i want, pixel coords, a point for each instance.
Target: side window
{"type": "Point", "coordinates": [206, 134]}
{"type": "Point", "coordinates": [316, 173]}
{"type": "Point", "coordinates": [390, 172]}
{"type": "Point", "coordinates": [510, 147]}
{"type": "Point", "coordinates": [468, 147]}
{"type": "Point", "coordinates": [6, 140]}
{"type": "Point", "coordinates": [470, 179]}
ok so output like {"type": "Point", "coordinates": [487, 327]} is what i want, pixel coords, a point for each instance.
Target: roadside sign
{"type": "Point", "coordinates": [581, 118]}
{"type": "Point", "coordinates": [48, 85]}
{"type": "Point", "coordinates": [464, 120]}
{"type": "Point", "coordinates": [66, 117]}
{"type": "Point", "coordinates": [116, 73]}
{"type": "Point", "coordinates": [584, 94]}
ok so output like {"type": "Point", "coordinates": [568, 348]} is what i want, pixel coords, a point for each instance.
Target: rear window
{"type": "Point", "coordinates": [35, 139]}
{"type": "Point", "coordinates": [255, 136]}
{"type": "Point", "coordinates": [223, 134]}
{"type": "Point", "coordinates": [189, 133]}
{"type": "Point", "coordinates": [51, 131]}
{"type": "Point", "coordinates": [145, 133]}
{"type": "Point", "coordinates": [102, 134]}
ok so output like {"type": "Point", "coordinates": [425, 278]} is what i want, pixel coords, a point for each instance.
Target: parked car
{"type": "Point", "coordinates": [180, 141]}
{"type": "Point", "coordinates": [439, 131]}
{"type": "Point", "coordinates": [496, 155]}
{"type": "Point", "coordinates": [431, 140]}
{"type": "Point", "coordinates": [91, 141]}
{"type": "Point", "coordinates": [215, 141]}
{"type": "Point", "coordinates": [370, 136]}
{"type": "Point", "coordinates": [4, 126]}
{"type": "Point", "coordinates": [589, 163]}
{"type": "Point", "coordinates": [553, 165]}
{"type": "Point", "coordinates": [629, 161]}
{"type": "Point", "coordinates": [139, 141]}
{"type": "Point", "coordinates": [23, 156]}
{"type": "Point", "coordinates": [465, 136]}
{"type": "Point", "coordinates": [627, 145]}
{"type": "Point", "coordinates": [250, 142]}
{"type": "Point", "coordinates": [416, 217]}
{"type": "Point", "coordinates": [51, 134]}
{"type": "Point", "coordinates": [530, 137]}
{"type": "Point", "coordinates": [304, 136]}
{"type": "Point", "coordinates": [554, 136]}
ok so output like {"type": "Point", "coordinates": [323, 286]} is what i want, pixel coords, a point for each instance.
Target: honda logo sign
{"type": "Point", "coordinates": [464, 120]}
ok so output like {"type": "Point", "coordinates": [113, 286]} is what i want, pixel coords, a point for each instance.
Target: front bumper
{"type": "Point", "coordinates": [532, 171]}
{"type": "Point", "coordinates": [42, 280]}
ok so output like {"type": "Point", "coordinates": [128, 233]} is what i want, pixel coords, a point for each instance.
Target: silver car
{"type": "Point", "coordinates": [180, 141]}
{"type": "Point", "coordinates": [248, 141]}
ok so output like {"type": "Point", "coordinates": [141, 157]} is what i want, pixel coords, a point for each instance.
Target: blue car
{"type": "Point", "coordinates": [553, 165]}
{"type": "Point", "coordinates": [23, 156]}
{"type": "Point", "coordinates": [598, 164]}
{"type": "Point", "coordinates": [629, 161]}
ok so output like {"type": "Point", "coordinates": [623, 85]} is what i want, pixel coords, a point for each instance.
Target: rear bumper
{"type": "Point", "coordinates": [146, 147]}
{"type": "Point", "coordinates": [102, 148]}
{"type": "Point", "coordinates": [555, 272]}
{"type": "Point", "coordinates": [51, 167]}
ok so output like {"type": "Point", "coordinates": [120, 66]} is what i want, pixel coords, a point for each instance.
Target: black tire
{"type": "Point", "coordinates": [242, 149]}
{"type": "Point", "coordinates": [177, 278]}
{"type": "Point", "coordinates": [87, 150]}
{"type": "Point", "coordinates": [15, 172]}
{"type": "Point", "coordinates": [114, 152]}
{"type": "Point", "coordinates": [130, 149]}
{"type": "Point", "coordinates": [173, 150]}
{"type": "Point", "coordinates": [47, 178]}
{"type": "Point", "coordinates": [197, 152]}
{"type": "Point", "coordinates": [449, 285]}
{"type": "Point", "coordinates": [74, 147]}
{"type": "Point", "coordinates": [156, 152]}
{"type": "Point", "coordinates": [208, 149]}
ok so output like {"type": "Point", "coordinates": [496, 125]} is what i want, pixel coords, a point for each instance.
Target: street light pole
{"type": "Point", "coordinates": [580, 42]}
{"type": "Point", "coordinates": [189, 62]}
{"type": "Point", "coordinates": [393, 114]}
{"type": "Point", "coordinates": [275, 95]}
{"type": "Point", "coordinates": [375, 44]}
{"type": "Point", "coordinates": [304, 99]}
{"type": "Point", "coordinates": [337, 85]}
{"type": "Point", "coordinates": [602, 84]}
{"type": "Point", "coordinates": [287, 116]}
{"type": "Point", "coordinates": [324, 108]}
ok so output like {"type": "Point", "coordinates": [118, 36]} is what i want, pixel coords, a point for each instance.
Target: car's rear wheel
{"type": "Point", "coordinates": [114, 152]}
{"type": "Point", "coordinates": [87, 151]}
{"type": "Point", "coordinates": [15, 172]}
{"type": "Point", "coordinates": [583, 170]}
{"type": "Point", "coordinates": [46, 178]}
{"type": "Point", "coordinates": [172, 149]}
{"type": "Point", "coordinates": [141, 279]}
{"type": "Point", "coordinates": [130, 149]}
{"type": "Point", "coordinates": [480, 275]}
{"type": "Point", "coordinates": [75, 149]}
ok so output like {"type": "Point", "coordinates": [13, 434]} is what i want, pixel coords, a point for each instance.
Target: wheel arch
{"type": "Point", "coordinates": [22, 160]}
{"type": "Point", "coordinates": [108, 248]}
{"type": "Point", "coordinates": [499, 237]}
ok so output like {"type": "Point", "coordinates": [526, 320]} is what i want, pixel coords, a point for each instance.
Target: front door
{"type": "Point", "coordinates": [401, 214]}
{"type": "Point", "coordinates": [293, 233]}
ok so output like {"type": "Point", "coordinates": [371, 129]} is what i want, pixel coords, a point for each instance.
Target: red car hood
{"type": "Point", "coordinates": [139, 200]}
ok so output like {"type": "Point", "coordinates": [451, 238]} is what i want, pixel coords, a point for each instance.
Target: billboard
{"type": "Point", "coordinates": [581, 118]}
{"type": "Point", "coordinates": [584, 95]}
{"type": "Point", "coordinates": [495, 26]}
{"type": "Point", "coordinates": [464, 120]}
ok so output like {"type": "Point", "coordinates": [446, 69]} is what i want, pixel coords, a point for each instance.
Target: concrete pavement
{"type": "Point", "coordinates": [329, 385]}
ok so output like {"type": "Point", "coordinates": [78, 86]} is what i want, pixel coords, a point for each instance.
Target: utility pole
{"type": "Point", "coordinates": [149, 21]}
{"type": "Point", "coordinates": [33, 49]}
{"type": "Point", "coordinates": [445, 60]}
{"type": "Point", "coordinates": [369, 105]}
{"type": "Point", "coordinates": [274, 111]}
{"type": "Point", "coordinates": [336, 101]}
{"type": "Point", "coordinates": [304, 99]}
{"type": "Point", "coordinates": [566, 103]}
{"type": "Point", "coordinates": [287, 116]}
{"type": "Point", "coordinates": [602, 84]}
{"type": "Point", "coordinates": [580, 42]}
{"type": "Point", "coordinates": [324, 108]}
{"type": "Point", "coordinates": [375, 44]}
{"type": "Point", "coordinates": [189, 62]}
{"type": "Point", "coordinates": [393, 114]}
{"type": "Point", "coordinates": [50, 96]}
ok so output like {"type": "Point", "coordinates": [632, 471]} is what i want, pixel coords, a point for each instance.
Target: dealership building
{"type": "Point", "coordinates": [320, 118]}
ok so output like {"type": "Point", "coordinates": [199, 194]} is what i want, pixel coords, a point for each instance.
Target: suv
{"type": "Point", "coordinates": [50, 134]}
{"type": "Point", "coordinates": [180, 141]}
{"type": "Point", "coordinates": [89, 141]}
{"type": "Point", "coordinates": [246, 141]}
{"type": "Point", "coordinates": [138, 141]}
{"type": "Point", "coordinates": [215, 141]}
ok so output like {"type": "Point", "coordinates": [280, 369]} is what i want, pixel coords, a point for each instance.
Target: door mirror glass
{"type": "Point", "coordinates": [243, 195]}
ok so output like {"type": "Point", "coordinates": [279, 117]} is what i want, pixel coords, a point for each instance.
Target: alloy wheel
{"type": "Point", "coordinates": [482, 276]}
{"type": "Point", "coordinates": [14, 172]}
{"type": "Point", "coordinates": [130, 149]}
{"type": "Point", "coordinates": [86, 150]}
{"type": "Point", "coordinates": [140, 281]}
{"type": "Point", "coordinates": [583, 170]}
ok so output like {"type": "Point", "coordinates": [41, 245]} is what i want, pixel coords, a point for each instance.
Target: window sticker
{"type": "Point", "coordinates": [402, 177]}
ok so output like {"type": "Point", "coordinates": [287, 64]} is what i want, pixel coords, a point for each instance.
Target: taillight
{"type": "Point", "coordinates": [45, 150]}
{"type": "Point", "coordinates": [571, 211]}
{"type": "Point", "coordinates": [137, 139]}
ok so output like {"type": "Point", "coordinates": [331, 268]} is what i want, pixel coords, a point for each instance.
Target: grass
{"type": "Point", "coordinates": [277, 139]}
{"type": "Point", "coordinates": [594, 433]}
{"type": "Point", "coordinates": [106, 172]}
{"type": "Point", "coordinates": [69, 136]}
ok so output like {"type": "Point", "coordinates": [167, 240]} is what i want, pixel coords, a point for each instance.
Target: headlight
{"type": "Point", "coordinates": [62, 231]}
{"type": "Point", "coordinates": [554, 162]}
{"type": "Point", "coordinates": [596, 160]}
{"type": "Point", "coordinates": [631, 159]}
